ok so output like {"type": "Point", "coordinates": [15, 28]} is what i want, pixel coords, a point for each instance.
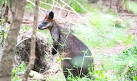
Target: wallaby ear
{"type": "Point", "coordinates": [51, 15]}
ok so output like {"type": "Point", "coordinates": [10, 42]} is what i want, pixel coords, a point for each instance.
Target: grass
{"type": "Point", "coordinates": [110, 39]}
{"type": "Point", "coordinates": [110, 31]}
{"type": "Point", "coordinates": [126, 59]}
{"type": "Point", "coordinates": [131, 6]}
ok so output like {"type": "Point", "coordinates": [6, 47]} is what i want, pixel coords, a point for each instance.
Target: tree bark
{"type": "Point", "coordinates": [33, 43]}
{"type": "Point", "coordinates": [6, 62]}
{"type": "Point", "coordinates": [6, 9]}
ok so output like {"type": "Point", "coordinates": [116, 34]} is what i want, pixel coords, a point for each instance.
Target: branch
{"type": "Point", "coordinates": [56, 6]}
{"type": "Point", "coordinates": [73, 11]}
{"type": "Point", "coordinates": [82, 18]}
{"type": "Point", "coordinates": [81, 6]}
{"type": "Point", "coordinates": [33, 44]}
{"type": "Point", "coordinates": [40, 8]}
{"type": "Point", "coordinates": [53, 5]}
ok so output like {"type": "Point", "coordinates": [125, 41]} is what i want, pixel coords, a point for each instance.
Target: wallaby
{"type": "Point", "coordinates": [77, 58]}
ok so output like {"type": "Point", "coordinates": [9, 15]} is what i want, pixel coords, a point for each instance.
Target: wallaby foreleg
{"type": "Point", "coordinates": [54, 49]}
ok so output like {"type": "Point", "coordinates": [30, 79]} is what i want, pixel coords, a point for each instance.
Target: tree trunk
{"type": "Point", "coordinates": [6, 9]}
{"type": "Point", "coordinates": [6, 64]}
{"type": "Point", "coordinates": [33, 44]}
{"type": "Point", "coordinates": [6, 14]}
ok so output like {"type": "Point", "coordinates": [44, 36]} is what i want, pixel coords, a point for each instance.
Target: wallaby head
{"type": "Point", "coordinates": [48, 21]}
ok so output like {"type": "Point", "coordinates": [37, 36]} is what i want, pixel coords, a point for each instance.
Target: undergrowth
{"type": "Point", "coordinates": [17, 71]}
{"type": "Point", "coordinates": [122, 66]}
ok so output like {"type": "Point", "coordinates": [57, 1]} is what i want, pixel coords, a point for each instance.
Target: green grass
{"type": "Point", "coordinates": [127, 58]}
{"type": "Point", "coordinates": [131, 6]}
{"type": "Point", "coordinates": [110, 30]}
{"type": "Point", "coordinates": [113, 67]}
{"type": "Point", "coordinates": [110, 39]}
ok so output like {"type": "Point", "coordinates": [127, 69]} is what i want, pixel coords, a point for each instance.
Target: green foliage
{"type": "Point", "coordinates": [16, 71]}
{"type": "Point", "coordinates": [25, 28]}
{"type": "Point", "coordinates": [76, 6]}
{"type": "Point", "coordinates": [72, 78]}
{"type": "Point", "coordinates": [20, 69]}
{"type": "Point", "coordinates": [128, 58]}
{"type": "Point", "coordinates": [2, 2]}
{"type": "Point", "coordinates": [131, 6]}
{"type": "Point", "coordinates": [124, 65]}
{"type": "Point", "coordinates": [4, 32]}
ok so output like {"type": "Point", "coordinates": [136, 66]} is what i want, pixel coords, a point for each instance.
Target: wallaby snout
{"type": "Point", "coordinates": [42, 25]}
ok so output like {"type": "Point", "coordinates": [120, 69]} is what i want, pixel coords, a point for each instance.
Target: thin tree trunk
{"type": "Point", "coordinates": [6, 62]}
{"type": "Point", "coordinates": [6, 9]}
{"type": "Point", "coordinates": [33, 43]}
{"type": "Point", "coordinates": [6, 14]}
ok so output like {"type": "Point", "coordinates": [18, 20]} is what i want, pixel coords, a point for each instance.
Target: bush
{"type": "Point", "coordinates": [128, 59]}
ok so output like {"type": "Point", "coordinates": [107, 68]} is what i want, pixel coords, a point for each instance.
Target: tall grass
{"type": "Point", "coordinates": [110, 30]}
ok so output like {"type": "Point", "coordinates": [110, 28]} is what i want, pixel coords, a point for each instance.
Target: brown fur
{"type": "Point", "coordinates": [69, 47]}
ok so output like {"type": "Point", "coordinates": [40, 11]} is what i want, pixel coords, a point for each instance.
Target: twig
{"type": "Point", "coordinates": [53, 5]}
{"type": "Point", "coordinates": [87, 22]}
{"type": "Point", "coordinates": [33, 43]}
{"type": "Point", "coordinates": [81, 6]}
{"type": "Point", "coordinates": [73, 11]}
{"type": "Point", "coordinates": [128, 14]}
{"type": "Point", "coordinates": [64, 7]}
{"type": "Point", "coordinates": [40, 8]}
{"type": "Point", "coordinates": [61, 9]}
{"type": "Point", "coordinates": [56, 6]}
{"type": "Point", "coordinates": [126, 70]}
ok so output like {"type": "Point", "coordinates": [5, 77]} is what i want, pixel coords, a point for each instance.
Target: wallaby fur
{"type": "Point", "coordinates": [77, 56]}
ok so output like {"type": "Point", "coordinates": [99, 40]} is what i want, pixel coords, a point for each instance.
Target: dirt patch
{"type": "Point", "coordinates": [133, 29]}
{"type": "Point", "coordinates": [23, 50]}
